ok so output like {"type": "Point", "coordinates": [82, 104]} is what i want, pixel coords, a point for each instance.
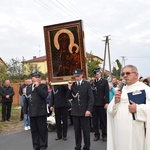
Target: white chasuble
{"type": "Point", "coordinates": [124, 133]}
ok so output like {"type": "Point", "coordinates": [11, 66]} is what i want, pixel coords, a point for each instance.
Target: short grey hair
{"type": "Point", "coordinates": [132, 67]}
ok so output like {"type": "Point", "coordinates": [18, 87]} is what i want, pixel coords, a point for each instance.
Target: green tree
{"type": "Point", "coordinates": [92, 64]}
{"type": "Point", "coordinates": [3, 73]}
{"type": "Point", "coordinates": [15, 69]}
{"type": "Point", "coordinates": [115, 71]}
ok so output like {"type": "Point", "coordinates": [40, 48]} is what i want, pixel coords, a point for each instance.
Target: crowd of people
{"type": "Point", "coordinates": [99, 105]}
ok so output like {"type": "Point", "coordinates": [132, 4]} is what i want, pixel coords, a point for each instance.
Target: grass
{"type": "Point", "coordinates": [14, 123]}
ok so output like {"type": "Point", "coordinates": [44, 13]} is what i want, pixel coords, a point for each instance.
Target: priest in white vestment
{"type": "Point", "coordinates": [125, 133]}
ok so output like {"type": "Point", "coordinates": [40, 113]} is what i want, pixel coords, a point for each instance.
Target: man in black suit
{"type": "Point", "coordinates": [36, 94]}
{"type": "Point", "coordinates": [59, 103]}
{"type": "Point", "coordinates": [7, 93]}
{"type": "Point", "coordinates": [100, 89]}
{"type": "Point", "coordinates": [82, 102]}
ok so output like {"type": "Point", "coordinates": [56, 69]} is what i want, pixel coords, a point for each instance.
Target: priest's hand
{"type": "Point", "coordinates": [117, 97]}
{"type": "Point", "coordinates": [132, 107]}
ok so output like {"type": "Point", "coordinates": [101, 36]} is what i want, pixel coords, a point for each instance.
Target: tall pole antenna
{"type": "Point", "coordinates": [105, 51]}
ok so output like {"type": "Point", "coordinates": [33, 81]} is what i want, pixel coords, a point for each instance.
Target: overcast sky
{"type": "Point", "coordinates": [127, 21]}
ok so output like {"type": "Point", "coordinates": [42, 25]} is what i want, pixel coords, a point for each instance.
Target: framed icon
{"type": "Point", "coordinates": [64, 51]}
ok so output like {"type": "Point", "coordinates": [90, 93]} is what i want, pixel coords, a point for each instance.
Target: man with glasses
{"type": "Point", "coordinates": [127, 119]}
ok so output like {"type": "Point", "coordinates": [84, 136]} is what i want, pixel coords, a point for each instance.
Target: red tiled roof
{"type": "Point", "coordinates": [91, 55]}
{"type": "Point", "coordinates": [36, 59]}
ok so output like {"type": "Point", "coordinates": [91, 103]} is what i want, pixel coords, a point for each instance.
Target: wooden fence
{"type": "Point", "coordinates": [16, 97]}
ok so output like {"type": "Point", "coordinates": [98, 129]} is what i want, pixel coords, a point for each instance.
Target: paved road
{"type": "Point", "coordinates": [21, 140]}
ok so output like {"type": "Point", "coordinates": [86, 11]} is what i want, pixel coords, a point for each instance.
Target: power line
{"type": "Point", "coordinates": [70, 12]}
{"type": "Point", "coordinates": [48, 8]}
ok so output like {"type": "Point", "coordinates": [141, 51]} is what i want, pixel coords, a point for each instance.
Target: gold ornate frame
{"type": "Point", "coordinates": [64, 51]}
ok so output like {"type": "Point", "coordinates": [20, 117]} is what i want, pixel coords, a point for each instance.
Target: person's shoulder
{"type": "Point", "coordinates": [43, 86]}
{"type": "Point", "coordinates": [113, 89]}
{"type": "Point", "coordinates": [65, 85]}
{"type": "Point", "coordinates": [11, 87]}
{"type": "Point", "coordinates": [86, 82]}
{"type": "Point", "coordinates": [141, 84]}
{"type": "Point", "coordinates": [145, 86]}
{"type": "Point", "coordinates": [21, 85]}
{"type": "Point", "coordinates": [29, 86]}
{"type": "Point", "coordinates": [104, 79]}
{"type": "Point", "coordinates": [3, 86]}
{"type": "Point", "coordinates": [74, 83]}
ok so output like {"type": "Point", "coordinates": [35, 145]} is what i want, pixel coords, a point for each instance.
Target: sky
{"type": "Point", "coordinates": [126, 21]}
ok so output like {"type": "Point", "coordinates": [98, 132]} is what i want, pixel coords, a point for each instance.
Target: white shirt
{"type": "Point", "coordinates": [79, 82]}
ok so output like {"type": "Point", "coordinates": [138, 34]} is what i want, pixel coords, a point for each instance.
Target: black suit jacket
{"type": "Point", "coordinates": [7, 90]}
{"type": "Point", "coordinates": [100, 92]}
{"type": "Point", "coordinates": [59, 96]}
{"type": "Point", "coordinates": [36, 100]}
{"type": "Point", "coordinates": [82, 98]}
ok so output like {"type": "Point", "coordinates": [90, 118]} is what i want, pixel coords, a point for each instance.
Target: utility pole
{"type": "Point", "coordinates": [122, 64]}
{"type": "Point", "coordinates": [106, 45]}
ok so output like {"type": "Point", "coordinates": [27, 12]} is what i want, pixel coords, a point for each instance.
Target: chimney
{"type": "Point", "coordinates": [34, 57]}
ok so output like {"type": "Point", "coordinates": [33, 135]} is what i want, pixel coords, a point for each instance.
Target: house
{"type": "Point", "coordinates": [3, 64]}
{"type": "Point", "coordinates": [90, 56]}
{"type": "Point", "coordinates": [34, 64]}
